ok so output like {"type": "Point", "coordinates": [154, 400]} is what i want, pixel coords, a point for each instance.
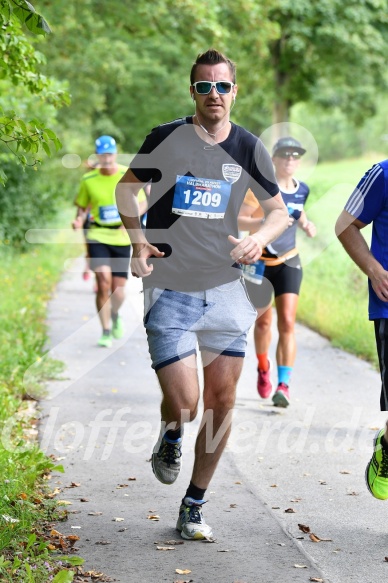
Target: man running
{"type": "Point", "coordinates": [369, 204]}
{"type": "Point", "coordinates": [199, 166]}
{"type": "Point", "coordinates": [107, 240]}
{"type": "Point", "coordinates": [278, 271]}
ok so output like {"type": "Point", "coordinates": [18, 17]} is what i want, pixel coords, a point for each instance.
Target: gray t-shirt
{"type": "Point", "coordinates": [196, 194]}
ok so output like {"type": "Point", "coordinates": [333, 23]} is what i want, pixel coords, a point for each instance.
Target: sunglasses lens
{"type": "Point", "coordinates": [203, 87]}
{"type": "Point", "coordinates": [223, 87]}
{"type": "Point", "coordinates": [289, 154]}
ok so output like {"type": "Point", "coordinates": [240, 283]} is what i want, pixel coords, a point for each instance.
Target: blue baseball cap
{"type": "Point", "coordinates": [106, 145]}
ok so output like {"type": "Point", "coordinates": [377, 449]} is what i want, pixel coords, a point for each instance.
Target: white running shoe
{"type": "Point", "coordinates": [191, 522]}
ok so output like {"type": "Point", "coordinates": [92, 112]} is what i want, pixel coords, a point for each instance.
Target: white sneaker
{"type": "Point", "coordinates": [191, 522]}
{"type": "Point", "coordinates": [166, 460]}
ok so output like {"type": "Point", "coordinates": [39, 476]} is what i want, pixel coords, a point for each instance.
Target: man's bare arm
{"type": "Point", "coordinates": [249, 249]}
{"type": "Point", "coordinates": [348, 231]}
{"type": "Point", "coordinates": [127, 191]}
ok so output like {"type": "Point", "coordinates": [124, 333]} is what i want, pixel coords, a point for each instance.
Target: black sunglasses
{"type": "Point", "coordinates": [288, 154]}
{"type": "Point", "coordinates": [204, 87]}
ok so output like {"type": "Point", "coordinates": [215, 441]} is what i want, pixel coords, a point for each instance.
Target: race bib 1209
{"type": "Point", "coordinates": [203, 198]}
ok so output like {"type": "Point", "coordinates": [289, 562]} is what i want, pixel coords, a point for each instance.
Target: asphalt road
{"type": "Point", "coordinates": [303, 465]}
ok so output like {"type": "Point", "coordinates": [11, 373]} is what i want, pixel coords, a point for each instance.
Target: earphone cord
{"type": "Point", "coordinates": [205, 130]}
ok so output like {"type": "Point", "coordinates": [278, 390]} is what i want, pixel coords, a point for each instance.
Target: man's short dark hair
{"type": "Point", "coordinates": [212, 57]}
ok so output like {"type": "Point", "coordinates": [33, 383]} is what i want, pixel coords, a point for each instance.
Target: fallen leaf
{"type": "Point", "coordinates": [275, 507]}
{"type": "Point", "coordinates": [55, 533]}
{"type": "Point", "coordinates": [165, 548]}
{"type": "Point", "coordinates": [223, 551]}
{"type": "Point", "coordinates": [304, 528]}
{"type": "Point", "coordinates": [131, 479]}
{"type": "Point", "coordinates": [64, 502]}
{"type": "Point", "coordinates": [323, 483]}
{"type": "Point", "coordinates": [232, 505]}
{"type": "Point", "coordinates": [118, 519]}
{"type": "Point", "coordinates": [94, 513]}
{"type": "Point", "coordinates": [84, 499]}
{"type": "Point", "coordinates": [273, 486]}
{"type": "Point", "coordinates": [386, 559]}
{"type": "Point", "coordinates": [73, 485]}
{"type": "Point", "coordinates": [103, 542]}
{"type": "Point", "coordinates": [296, 500]}
{"type": "Point", "coordinates": [122, 529]}
{"type": "Point", "coordinates": [317, 539]}
{"type": "Point", "coordinates": [238, 483]}
{"type": "Point", "coordinates": [182, 571]}
{"type": "Point", "coordinates": [23, 496]}
{"type": "Point", "coordinates": [121, 486]}
{"type": "Point", "coordinates": [170, 542]}
{"type": "Point", "coordinates": [290, 511]}
{"type": "Point", "coordinates": [316, 579]}
{"type": "Point", "coordinates": [300, 566]}
{"type": "Point", "coordinates": [151, 517]}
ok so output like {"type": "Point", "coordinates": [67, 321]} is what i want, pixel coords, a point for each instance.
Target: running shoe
{"type": "Point", "coordinates": [191, 523]}
{"type": "Point", "coordinates": [105, 341]}
{"type": "Point", "coordinates": [264, 385]}
{"type": "Point", "coordinates": [118, 328]}
{"type": "Point", "coordinates": [376, 473]}
{"type": "Point", "coordinates": [281, 397]}
{"type": "Point", "coordinates": [166, 461]}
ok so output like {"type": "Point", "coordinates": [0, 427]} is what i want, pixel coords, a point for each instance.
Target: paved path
{"type": "Point", "coordinates": [103, 419]}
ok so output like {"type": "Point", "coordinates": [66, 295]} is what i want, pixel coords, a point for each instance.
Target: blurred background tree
{"type": "Point", "coordinates": [126, 65]}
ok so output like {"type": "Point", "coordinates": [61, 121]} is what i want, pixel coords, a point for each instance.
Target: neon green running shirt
{"type": "Point", "coordinates": [97, 193]}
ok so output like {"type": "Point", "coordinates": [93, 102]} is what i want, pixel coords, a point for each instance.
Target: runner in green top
{"type": "Point", "coordinates": [108, 242]}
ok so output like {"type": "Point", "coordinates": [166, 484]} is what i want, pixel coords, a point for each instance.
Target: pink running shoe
{"type": "Point", "coordinates": [281, 397]}
{"type": "Point", "coordinates": [264, 385]}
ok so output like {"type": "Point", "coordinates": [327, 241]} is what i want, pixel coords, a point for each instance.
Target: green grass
{"type": "Point", "coordinates": [334, 294]}
{"type": "Point", "coordinates": [26, 505]}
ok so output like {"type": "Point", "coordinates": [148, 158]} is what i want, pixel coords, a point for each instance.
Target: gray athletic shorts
{"type": "Point", "coordinates": [218, 319]}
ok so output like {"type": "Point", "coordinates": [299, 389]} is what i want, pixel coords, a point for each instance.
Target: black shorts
{"type": "Point", "coordinates": [381, 334]}
{"type": "Point", "coordinates": [285, 278]}
{"type": "Point", "coordinates": [115, 256]}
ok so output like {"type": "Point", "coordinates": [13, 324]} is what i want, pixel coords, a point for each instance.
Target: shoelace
{"type": "Point", "coordinates": [195, 513]}
{"type": "Point", "coordinates": [383, 470]}
{"type": "Point", "coordinates": [170, 452]}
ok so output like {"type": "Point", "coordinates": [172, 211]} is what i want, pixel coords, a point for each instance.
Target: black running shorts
{"type": "Point", "coordinates": [115, 256]}
{"type": "Point", "coordinates": [381, 334]}
{"type": "Point", "coordinates": [285, 278]}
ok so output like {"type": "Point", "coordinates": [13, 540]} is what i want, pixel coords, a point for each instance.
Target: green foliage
{"type": "Point", "coordinates": [19, 64]}
{"type": "Point", "coordinates": [334, 44]}
{"type": "Point", "coordinates": [27, 201]}
{"type": "Point", "coordinates": [334, 294]}
{"type": "Point", "coordinates": [28, 283]}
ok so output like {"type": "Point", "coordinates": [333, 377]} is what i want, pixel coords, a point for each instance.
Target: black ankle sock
{"type": "Point", "coordinates": [106, 332]}
{"type": "Point", "coordinates": [194, 492]}
{"type": "Point", "coordinates": [174, 434]}
{"type": "Point", "coordinates": [114, 316]}
{"type": "Point", "coordinates": [384, 444]}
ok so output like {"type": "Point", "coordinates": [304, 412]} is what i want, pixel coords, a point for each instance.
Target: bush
{"type": "Point", "coordinates": [28, 200]}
